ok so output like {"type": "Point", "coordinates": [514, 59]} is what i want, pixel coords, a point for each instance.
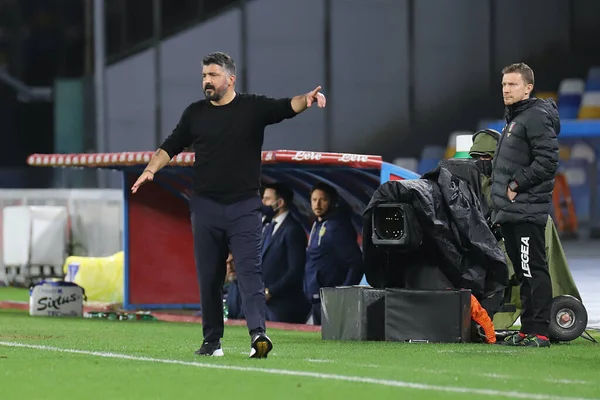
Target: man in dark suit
{"type": "Point", "coordinates": [283, 258]}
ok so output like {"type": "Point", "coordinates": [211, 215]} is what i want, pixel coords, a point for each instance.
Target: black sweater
{"type": "Point", "coordinates": [228, 142]}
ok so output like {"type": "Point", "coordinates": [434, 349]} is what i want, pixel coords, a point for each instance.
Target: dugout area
{"type": "Point", "coordinates": [157, 239]}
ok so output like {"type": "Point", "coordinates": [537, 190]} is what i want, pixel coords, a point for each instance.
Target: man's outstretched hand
{"type": "Point", "coordinates": [303, 101]}
{"type": "Point", "coordinates": [316, 96]}
{"type": "Point", "coordinates": [144, 177]}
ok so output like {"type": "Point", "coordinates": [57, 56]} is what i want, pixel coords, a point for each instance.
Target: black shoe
{"type": "Point", "coordinates": [535, 341]}
{"type": "Point", "coordinates": [261, 345]}
{"type": "Point", "coordinates": [210, 349]}
{"type": "Point", "coordinates": [514, 339]}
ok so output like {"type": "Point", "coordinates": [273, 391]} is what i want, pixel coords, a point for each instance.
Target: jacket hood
{"type": "Point", "coordinates": [550, 107]}
{"type": "Point", "coordinates": [545, 105]}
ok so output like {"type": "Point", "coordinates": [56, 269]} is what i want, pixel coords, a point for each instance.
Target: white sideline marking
{"type": "Point", "coordinates": [504, 376]}
{"type": "Point", "coordinates": [568, 381]}
{"type": "Point", "coordinates": [306, 374]}
{"type": "Point", "coordinates": [367, 365]}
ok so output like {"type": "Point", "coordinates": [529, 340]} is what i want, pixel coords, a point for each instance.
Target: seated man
{"type": "Point", "coordinates": [333, 257]}
{"type": "Point", "coordinates": [283, 257]}
{"type": "Point", "coordinates": [482, 151]}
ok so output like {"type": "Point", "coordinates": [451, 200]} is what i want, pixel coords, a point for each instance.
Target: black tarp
{"type": "Point", "coordinates": [458, 248]}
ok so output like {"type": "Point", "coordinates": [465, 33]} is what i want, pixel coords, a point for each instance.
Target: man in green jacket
{"type": "Point", "coordinates": [483, 151]}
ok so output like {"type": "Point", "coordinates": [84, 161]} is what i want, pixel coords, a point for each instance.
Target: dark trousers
{"type": "Point", "coordinates": [526, 247]}
{"type": "Point", "coordinates": [218, 228]}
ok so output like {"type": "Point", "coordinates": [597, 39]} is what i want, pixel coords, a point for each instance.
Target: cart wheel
{"type": "Point", "coordinates": [568, 319]}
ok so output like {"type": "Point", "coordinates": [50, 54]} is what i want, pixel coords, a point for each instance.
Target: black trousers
{"type": "Point", "coordinates": [526, 247]}
{"type": "Point", "coordinates": [218, 228]}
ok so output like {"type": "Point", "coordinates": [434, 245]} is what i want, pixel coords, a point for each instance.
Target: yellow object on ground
{"type": "Point", "coordinates": [100, 277]}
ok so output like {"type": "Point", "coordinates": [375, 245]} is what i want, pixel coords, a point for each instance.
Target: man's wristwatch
{"type": "Point", "coordinates": [513, 186]}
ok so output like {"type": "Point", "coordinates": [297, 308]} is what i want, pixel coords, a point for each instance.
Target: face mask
{"type": "Point", "coordinates": [484, 166]}
{"type": "Point", "coordinates": [269, 211]}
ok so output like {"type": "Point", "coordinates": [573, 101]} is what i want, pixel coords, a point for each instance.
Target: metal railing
{"type": "Point", "coordinates": [25, 94]}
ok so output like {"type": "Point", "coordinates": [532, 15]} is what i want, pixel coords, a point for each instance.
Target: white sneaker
{"type": "Point", "coordinates": [213, 349]}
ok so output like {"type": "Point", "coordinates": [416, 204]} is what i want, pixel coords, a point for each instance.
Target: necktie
{"type": "Point", "coordinates": [267, 234]}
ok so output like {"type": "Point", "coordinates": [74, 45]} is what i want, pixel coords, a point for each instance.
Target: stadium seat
{"type": "Point", "coordinates": [571, 86]}
{"type": "Point", "coordinates": [570, 92]}
{"type": "Point", "coordinates": [590, 106]}
{"type": "Point", "coordinates": [583, 151]}
{"type": "Point", "coordinates": [576, 171]}
{"type": "Point", "coordinates": [564, 152]}
{"type": "Point", "coordinates": [432, 152]}
{"type": "Point", "coordinates": [426, 165]}
{"type": "Point", "coordinates": [592, 83]}
{"type": "Point", "coordinates": [410, 164]}
{"type": "Point", "coordinates": [430, 157]}
{"type": "Point", "coordinates": [568, 112]}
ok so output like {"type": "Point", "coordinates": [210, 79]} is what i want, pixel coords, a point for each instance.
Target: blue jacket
{"type": "Point", "coordinates": [333, 257]}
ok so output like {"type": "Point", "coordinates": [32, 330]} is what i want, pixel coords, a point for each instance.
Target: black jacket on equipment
{"type": "Point", "coordinates": [527, 153]}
